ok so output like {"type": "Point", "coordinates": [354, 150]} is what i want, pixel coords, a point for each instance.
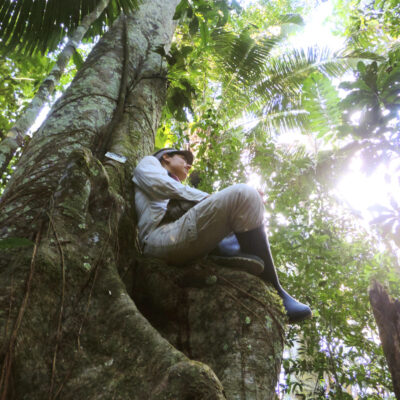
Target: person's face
{"type": "Point", "coordinates": [177, 165]}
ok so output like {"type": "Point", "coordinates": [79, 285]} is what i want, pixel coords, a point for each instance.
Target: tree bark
{"type": "Point", "coordinates": [14, 138]}
{"type": "Point", "coordinates": [69, 327]}
{"type": "Point", "coordinates": [225, 318]}
{"type": "Point", "coordinates": [387, 315]}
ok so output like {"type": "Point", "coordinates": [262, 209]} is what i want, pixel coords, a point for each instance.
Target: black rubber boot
{"type": "Point", "coordinates": [229, 254]}
{"type": "Point", "coordinates": [256, 242]}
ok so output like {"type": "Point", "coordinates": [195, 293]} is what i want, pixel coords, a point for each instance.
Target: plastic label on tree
{"type": "Point", "coordinates": [116, 157]}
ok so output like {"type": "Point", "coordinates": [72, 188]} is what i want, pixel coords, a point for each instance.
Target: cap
{"type": "Point", "coordinates": [168, 150]}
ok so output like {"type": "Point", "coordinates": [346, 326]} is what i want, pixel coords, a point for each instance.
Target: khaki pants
{"type": "Point", "coordinates": [237, 208]}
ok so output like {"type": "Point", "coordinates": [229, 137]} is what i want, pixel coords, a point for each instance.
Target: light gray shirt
{"type": "Point", "coordinates": [153, 190]}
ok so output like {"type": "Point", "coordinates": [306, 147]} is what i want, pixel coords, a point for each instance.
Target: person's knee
{"type": "Point", "coordinates": [246, 194]}
{"type": "Point", "coordinates": [246, 208]}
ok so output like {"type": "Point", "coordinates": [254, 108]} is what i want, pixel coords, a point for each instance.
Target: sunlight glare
{"type": "Point", "coordinates": [318, 30]}
{"type": "Point", "coordinates": [355, 117]}
{"type": "Point", "coordinates": [361, 191]}
{"type": "Point", "coordinates": [254, 180]}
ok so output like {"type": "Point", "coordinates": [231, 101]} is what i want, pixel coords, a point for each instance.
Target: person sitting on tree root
{"type": "Point", "coordinates": [179, 223]}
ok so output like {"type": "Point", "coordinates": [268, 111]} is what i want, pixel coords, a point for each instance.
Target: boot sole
{"type": "Point", "coordinates": [250, 265]}
{"type": "Point", "coordinates": [300, 317]}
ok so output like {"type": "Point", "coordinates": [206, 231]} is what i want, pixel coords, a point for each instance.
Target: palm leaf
{"type": "Point", "coordinates": [287, 72]}
{"type": "Point", "coordinates": [29, 26]}
{"type": "Point", "coordinates": [241, 57]}
{"type": "Point", "coordinates": [280, 121]}
{"type": "Point", "coordinates": [320, 98]}
{"type": "Point", "coordinates": [240, 62]}
{"type": "Point", "coordinates": [301, 79]}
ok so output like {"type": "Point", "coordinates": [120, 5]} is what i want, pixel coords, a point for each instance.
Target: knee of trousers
{"type": "Point", "coordinates": [247, 209]}
{"type": "Point", "coordinates": [246, 195]}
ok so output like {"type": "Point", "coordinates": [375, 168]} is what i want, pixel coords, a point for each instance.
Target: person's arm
{"type": "Point", "coordinates": [153, 179]}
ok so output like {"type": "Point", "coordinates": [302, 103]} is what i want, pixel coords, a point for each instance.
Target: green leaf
{"type": "Point", "coordinates": [160, 50]}
{"type": "Point", "coordinates": [361, 67]}
{"type": "Point", "coordinates": [78, 60]}
{"type": "Point", "coordinates": [194, 25]}
{"type": "Point", "coordinates": [30, 26]}
{"type": "Point", "coordinates": [180, 9]}
{"type": "Point", "coordinates": [14, 242]}
{"type": "Point", "coordinates": [204, 33]}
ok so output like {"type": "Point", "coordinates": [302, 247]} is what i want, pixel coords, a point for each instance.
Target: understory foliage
{"type": "Point", "coordinates": [235, 88]}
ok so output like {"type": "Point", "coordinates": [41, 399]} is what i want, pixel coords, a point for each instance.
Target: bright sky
{"type": "Point", "coordinates": [361, 191]}
{"type": "Point", "coordinates": [318, 30]}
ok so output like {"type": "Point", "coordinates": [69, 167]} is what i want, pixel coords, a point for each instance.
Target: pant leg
{"type": "Point", "coordinates": [237, 208]}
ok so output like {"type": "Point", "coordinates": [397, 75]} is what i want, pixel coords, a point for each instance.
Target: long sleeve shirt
{"type": "Point", "coordinates": [153, 190]}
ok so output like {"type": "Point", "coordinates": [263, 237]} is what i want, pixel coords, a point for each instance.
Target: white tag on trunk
{"type": "Point", "coordinates": [116, 157]}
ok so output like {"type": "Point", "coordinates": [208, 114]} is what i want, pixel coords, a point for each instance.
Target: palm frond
{"type": "Point", "coordinates": [241, 61]}
{"type": "Point", "coordinates": [29, 26]}
{"type": "Point", "coordinates": [281, 121]}
{"type": "Point", "coordinates": [288, 71]}
{"type": "Point", "coordinates": [242, 57]}
{"type": "Point", "coordinates": [291, 18]}
{"type": "Point", "coordinates": [320, 98]}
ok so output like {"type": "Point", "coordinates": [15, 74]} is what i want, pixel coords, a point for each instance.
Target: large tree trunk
{"type": "Point", "coordinates": [387, 316]}
{"type": "Point", "coordinates": [69, 327]}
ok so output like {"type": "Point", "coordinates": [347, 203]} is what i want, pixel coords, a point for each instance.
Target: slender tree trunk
{"type": "Point", "coordinates": [68, 325]}
{"type": "Point", "coordinates": [14, 138]}
{"type": "Point", "coordinates": [387, 316]}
